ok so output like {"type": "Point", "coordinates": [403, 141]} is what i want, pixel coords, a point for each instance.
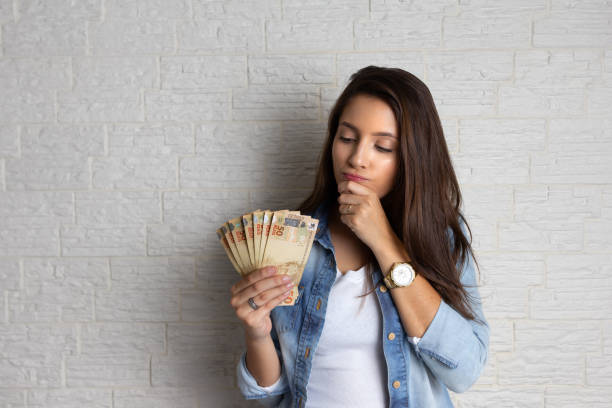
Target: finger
{"type": "Point", "coordinates": [347, 198]}
{"type": "Point", "coordinates": [276, 301]}
{"type": "Point", "coordinates": [353, 187]}
{"type": "Point", "coordinates": [266, 301]}
{"type": "Point", "coordinates": [252, 277]}
{"type": "Point", "coordinates": [347, 220]}
{"type": "Point", "coordinates": [348, 209]}
{"type": "Point", "coordinates": [261, 288]}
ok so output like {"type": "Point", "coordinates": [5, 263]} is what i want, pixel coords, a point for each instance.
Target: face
{"type": "Point", "coordinates": [359, 148]}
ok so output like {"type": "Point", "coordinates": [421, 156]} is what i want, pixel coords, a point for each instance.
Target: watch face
{"type": "Point", "coordinates": [402, 275]}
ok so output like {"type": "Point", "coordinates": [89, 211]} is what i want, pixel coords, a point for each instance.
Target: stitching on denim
{"type": "Point", "coordinates": [446, 362]}
{"type": "Point", "coordinates": [296, 306]}
{"type": "Point", "coordinates": [266, 395]}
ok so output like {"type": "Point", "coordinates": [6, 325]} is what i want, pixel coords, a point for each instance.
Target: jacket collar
{"type": "Point", "coordinates": [323, 236]}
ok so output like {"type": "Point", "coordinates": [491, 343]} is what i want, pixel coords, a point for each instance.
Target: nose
{"type": "Point", "coordinates": [359, 155]}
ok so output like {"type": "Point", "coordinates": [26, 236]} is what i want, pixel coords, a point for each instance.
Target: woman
{"type": "Point", "coordinates": [388, 203]}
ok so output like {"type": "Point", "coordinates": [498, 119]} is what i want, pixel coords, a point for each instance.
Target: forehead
{"type": "Point", "coordinates": [366, 114]}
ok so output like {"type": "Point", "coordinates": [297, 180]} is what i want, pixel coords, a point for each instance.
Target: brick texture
{"type": "Point", "coordinates": [129, 130]}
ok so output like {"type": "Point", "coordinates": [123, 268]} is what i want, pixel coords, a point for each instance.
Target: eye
{"type": "Point", "coordinates": [382, 149]}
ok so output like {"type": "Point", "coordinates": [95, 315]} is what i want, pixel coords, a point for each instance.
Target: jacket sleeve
{"type": "Point", "coordinates": [455, 348]}
{"type": "Point", "coordinates": [269, 396]}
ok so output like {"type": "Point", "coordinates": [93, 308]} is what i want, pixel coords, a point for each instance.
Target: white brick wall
{"type": "Point", "coordinates": [129, 130]}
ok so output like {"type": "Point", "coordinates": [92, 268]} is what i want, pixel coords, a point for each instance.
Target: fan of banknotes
{"type": "Point", "coordinates": [263, 238]}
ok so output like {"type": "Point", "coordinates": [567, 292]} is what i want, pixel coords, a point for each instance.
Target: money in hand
{"type": "Point", "coordinates": [263, 238]}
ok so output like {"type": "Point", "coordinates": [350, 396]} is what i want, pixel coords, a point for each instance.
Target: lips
{"type": "Point", "coordinates": [353, 177]}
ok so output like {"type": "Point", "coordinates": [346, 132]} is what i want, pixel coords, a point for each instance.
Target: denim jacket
{"type": "Point", "coordinates": [451, 353]}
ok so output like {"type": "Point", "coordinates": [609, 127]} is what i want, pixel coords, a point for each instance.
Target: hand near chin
{"type": "Point", "coordinates": [360, 209]}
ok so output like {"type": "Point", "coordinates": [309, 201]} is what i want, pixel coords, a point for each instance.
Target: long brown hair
{"type": "Point", "coordinates": [426, 199]}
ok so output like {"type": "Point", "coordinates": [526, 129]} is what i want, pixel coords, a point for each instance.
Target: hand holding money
{"type": "Point", "coordinates": [270, 238]}
{"type": "Point", "coordinates": [268, 289]}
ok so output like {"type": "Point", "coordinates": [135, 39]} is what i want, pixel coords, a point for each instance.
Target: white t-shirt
{"type": "Point", "coordinates": [348, 366]}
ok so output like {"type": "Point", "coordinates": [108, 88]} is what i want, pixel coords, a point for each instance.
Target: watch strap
{"type": "Point", "coordinates": [388, 281]}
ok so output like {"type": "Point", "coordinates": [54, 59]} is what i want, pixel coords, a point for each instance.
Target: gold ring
{"type": "Point", "coordinates": [348, 209]}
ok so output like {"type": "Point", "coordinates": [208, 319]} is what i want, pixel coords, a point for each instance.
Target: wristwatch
{"type": "Point", "coordinates": [400, 274]}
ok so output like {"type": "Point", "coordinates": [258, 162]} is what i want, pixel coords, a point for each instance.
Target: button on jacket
{"type": "Point", "coordinates": [450, 355]}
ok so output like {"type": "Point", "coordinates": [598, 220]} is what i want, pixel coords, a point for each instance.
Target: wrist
{"type": "Point", "coordinates": [389, 245]}
{"type": "Point", "coordinates": [256, 340]}
{"type": "Point", "coordinates": [382, 240]}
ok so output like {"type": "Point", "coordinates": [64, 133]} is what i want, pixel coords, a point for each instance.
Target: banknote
{"type": "Point", "coordinates": [265, 233]}
{"type": "Point", "coordinates": [247, 222]}
{"type": "Point", "coordinates": [258, 218]}
{"type": "Point", "coordinates": [226, 230]}
{"type": "Point", "coordinates": [237, 230]}
{"type": "Point", "coordinates": [287, 244]}
{"type": "Point", "coordinates": [228, 250]}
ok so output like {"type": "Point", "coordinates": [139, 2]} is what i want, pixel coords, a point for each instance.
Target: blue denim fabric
{"type": "Point", "coordinates": [451, 354]}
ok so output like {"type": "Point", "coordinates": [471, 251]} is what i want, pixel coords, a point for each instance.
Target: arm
{"type": "Point", "coordinates": [262, 361]}
{"type": "Point", "coordinates": [454, 348]}
{"type": "Point", "coordinates": [266, 359]}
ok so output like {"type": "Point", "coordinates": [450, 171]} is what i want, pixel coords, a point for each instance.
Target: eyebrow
{"type": "Point", "coordinates": [356, 129]}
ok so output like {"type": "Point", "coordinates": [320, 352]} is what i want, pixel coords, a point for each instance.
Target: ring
{"type": "Point", "coordinates": [348, 209]}
{"type": "Point", "coordinates": [252, 304]}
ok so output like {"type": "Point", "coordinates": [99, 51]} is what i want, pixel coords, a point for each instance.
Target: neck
{"type": "Point", "coordinates": [335, 223]}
